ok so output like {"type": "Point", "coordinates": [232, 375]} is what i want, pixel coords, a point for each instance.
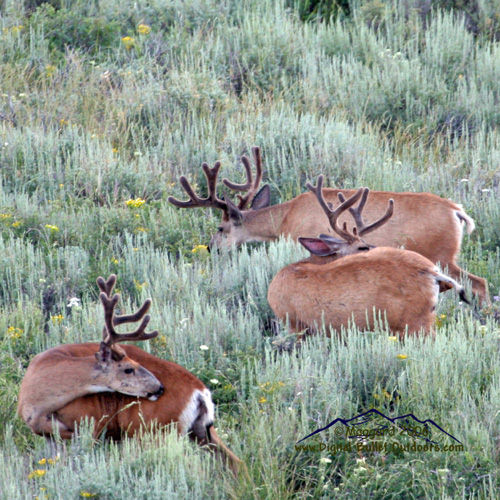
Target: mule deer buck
{"type": "Point", "coordinates": [185, 400]}
{"type": "Point", "coordinates": [347, 279]}
{"type": "Point", "coordinates": [57, 376]}
{"type": "Point", "coordinates": [424, 222]}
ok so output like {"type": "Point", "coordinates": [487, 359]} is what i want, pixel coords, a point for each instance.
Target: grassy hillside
{"type": "Point", "coordinates": [107, 102]}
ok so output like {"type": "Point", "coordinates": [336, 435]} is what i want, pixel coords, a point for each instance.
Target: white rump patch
{"type": "Point", "coordinates": [191, 412]}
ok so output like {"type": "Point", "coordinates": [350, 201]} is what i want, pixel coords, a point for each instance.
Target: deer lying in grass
{"type": "Point", "coordinates": [347, 279]}
{"type": "Point", "coordinates": [57, 376]}
{"type": "Point", "coordinates": [185, 400]}
{"type": "Point", "coordinates": [424, 222]}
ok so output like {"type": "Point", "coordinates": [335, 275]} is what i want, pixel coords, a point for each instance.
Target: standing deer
{"type": "Point", "coordinates": [347, 279]}
{"type": "Point", "coordinates": [184, 401]}
{"type": "Point", "coordinates": [424, 222]}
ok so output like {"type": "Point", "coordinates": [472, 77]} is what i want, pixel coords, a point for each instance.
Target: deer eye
{"type": "Point", "coordinates": [363, 249]}
{"type": "Point", "coordinates": [128, 371]}
{"type": "Point", "coordinates": [220, 229]}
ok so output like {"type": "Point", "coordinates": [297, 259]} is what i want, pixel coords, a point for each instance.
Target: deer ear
{"type": "Point", "coordinates": [104, 354]}
{"type": "Point", "coordinates": [262, 199]}
{"type": "Point", "coordinates": [317, 246]}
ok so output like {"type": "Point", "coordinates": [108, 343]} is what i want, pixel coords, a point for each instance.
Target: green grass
{"type": "Point", "coordinates": [383, 95]}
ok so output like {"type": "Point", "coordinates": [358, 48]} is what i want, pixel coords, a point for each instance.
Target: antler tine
{"type": "Point", "coordinates": [110, 321]}
{"type": "Point", "coordinates": [108, 285]}
{"type": "Point", "coordinates": [194, 200]}
{"type": "Point", "coordinates": [134, 317]}
{"type": "Point", "coordinates": [361, 228]}
{"type": "Point", "coordinates": [250, 185]}
{"type": "Point", "coordinates": [333, 215]}
{"type": "Point", "coordinates": [211, 175]}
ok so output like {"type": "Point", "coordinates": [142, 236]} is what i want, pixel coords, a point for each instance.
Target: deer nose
{"type": "Point", "coordinates": [153, 396]}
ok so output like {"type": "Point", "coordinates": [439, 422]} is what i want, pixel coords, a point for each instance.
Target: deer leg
{"type": "Point", "coordinates": [45, 425]}
{"type": "Point", "coordinates": [208, 437]}
{"type": "Point", "coordinates": [224, 453]}
{"type": "Point", "coordinates": [479, 285]}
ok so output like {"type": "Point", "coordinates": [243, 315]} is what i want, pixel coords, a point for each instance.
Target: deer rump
{"type": "Point", "coordinates": [186, 402]}
{"type": "Point", "coordinates": [401, 284]}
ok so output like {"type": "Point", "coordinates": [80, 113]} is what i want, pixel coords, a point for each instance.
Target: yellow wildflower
{"type": "Point", "coordinates": [262, 400]}
{"type": "Point", "coordinates": [144, 29]}
{"type": "Point", "coordinates": [128, 42]}
{"type": "Point", "coordinates": [138, 202]}
{"type": "Point", "coordinates": [50, 69]}
{"type": "Point", "coordinates": [401, 356]}
{"type": "Point", "coordinates": [5, 216]}
{"type": "Point", "coordinates": [14, 333]}
{"type": "Point", "coordinates": [141, 229]}
{"type": "Point", "coordinates": [42, 461]}
{"type": "Point", "coordinates": [63, 122]}
{"type": "Point", "coordinates": [53, 460]}
{"type": "Point", "coordinates": [57, 319]}
{"type": "Point", "coordinates": [17, 29]}
{"type": "Point", "coordinates": [114, 150]}
{"type": "Point", "coordinates": [202, 249]}
{"type": "Point", "coordinates": [114, 260]}
{"type": "Point", "coordinates": [52, 227]}
{"type": "Point", "coordinates": [37, 473]}
{"type": "Point", "coordinates": [17, 223]}
{"type": "Point", "coordinates": [87, 494]}
{"type": "Point", "coordinates": [139, 285]}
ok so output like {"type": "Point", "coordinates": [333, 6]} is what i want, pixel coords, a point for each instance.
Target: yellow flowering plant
{"type": "Point", "coordinates": [143, 29]}
{"type": "Point", "coordinates": [128, 42]}
{"type": "Point", "coordinates": [136, 203]}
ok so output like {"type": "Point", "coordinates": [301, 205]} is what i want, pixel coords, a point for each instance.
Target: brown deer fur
{"type": "Point", "coordinates": [401, 283]}
{"type": "Point", "coordinates": [186, 402]}
{"type": "Point", "coordinates": [424, 223]}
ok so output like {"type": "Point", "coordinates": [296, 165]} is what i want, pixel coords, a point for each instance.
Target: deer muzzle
{"type": "Point", "coordinates": [153, 396]}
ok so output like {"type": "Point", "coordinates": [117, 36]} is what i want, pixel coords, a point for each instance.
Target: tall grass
{"type": "Point", "coordinates": [383, 95]}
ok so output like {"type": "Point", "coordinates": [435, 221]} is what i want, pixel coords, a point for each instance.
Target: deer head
{"type": "Point", "coordinates": [349, 242]}
{"type": "Point", "coordinates": [121, 373]}
{"type": "Point", "coordinates": [231, 230]}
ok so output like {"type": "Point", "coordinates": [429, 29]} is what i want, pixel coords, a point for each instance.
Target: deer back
{"type": "Point", "coordinates": [400, 282]}
{"type": "Point", "coordinates": [422, 222]}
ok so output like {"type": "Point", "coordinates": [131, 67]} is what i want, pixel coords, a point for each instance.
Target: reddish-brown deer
{"type": "Point", "coordinates": [57, 376]}
{"type": "Point", "coordinates": [424, 222]}
{"type": "Point", "coordinates": [348, 279]}
{"type": "Point", "coordinates": [185, 401]}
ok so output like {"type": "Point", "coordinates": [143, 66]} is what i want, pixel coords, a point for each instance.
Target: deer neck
{"type": "Point", "coordinates": [74, 378]}
{"type": "Point", "coordinates": [266, 224]}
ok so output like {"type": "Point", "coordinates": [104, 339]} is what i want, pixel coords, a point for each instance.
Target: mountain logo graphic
{"type": "Point", "coordinates": [382, 422]}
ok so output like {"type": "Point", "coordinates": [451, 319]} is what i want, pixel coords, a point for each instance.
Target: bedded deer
{"type": "Point", "coordinates": [57, 376]}
{"type": "Point", "coordinates": [425, 223]}
{"type": "Point", "coordinates": [347, 279]}
{"type": "Point", "coordinates": [185, 401]}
